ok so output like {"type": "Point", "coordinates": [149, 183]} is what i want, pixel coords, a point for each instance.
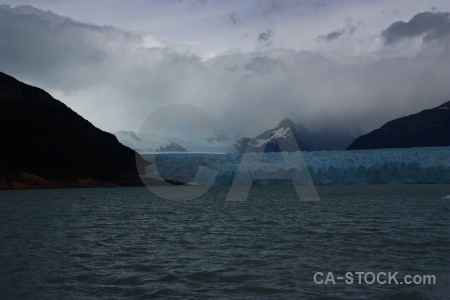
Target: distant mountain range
{"type": "Point", "coordinates": [46, 144]}
{"type": "Point", "coordinates": [294, 136]}
{"type": "Point", "coordinates": [131, 140]}
{"type": "Point", "coordinates": [215, 143]}
{"type": "Point", "coordinates": [287, 130]}
{"type": "Point", "coordinates": [428, 128]}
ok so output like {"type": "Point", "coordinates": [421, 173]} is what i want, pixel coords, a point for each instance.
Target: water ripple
{"type": "Point", "coordinates": [126, 243]}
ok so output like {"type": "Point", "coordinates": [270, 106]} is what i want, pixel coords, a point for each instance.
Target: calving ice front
{"type": "Point", "coordinates": [378, 166]}
{"type": "Point", "coordinates": [412, 149]}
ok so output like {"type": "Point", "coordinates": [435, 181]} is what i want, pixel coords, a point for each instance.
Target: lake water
{"type": "Point", "coordinates": [125, 243]}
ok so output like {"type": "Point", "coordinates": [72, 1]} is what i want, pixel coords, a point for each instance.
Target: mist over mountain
{"type": "Point", "coordinates": [294, 136]}
{"type": "Point", "coordinates": [127, 138]}
{"type": "Point", "coordinates": [215, 143]}
{"type": "Point", "coordinates": [359, 74]}
{"type": "Point", "coordinates": [171, 147]}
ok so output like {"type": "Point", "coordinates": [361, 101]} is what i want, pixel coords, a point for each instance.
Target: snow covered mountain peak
{"type": "Point", "coordinates": [297, 136]}
{"type": "Point", "coordinates": [273, 135]}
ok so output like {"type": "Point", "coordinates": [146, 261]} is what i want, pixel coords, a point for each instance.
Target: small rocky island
{"type": "Point", "coordinates": [45, 144]}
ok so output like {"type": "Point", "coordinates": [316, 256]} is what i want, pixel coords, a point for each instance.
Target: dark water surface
{"type": "Point", "coordinates": [125, 243]}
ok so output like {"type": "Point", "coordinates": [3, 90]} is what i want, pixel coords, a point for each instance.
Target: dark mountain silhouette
{"type": "Point", "coordinates": [428, 128]}
{"type": "Point", "coordinates": [294, 136]}
{"type": "Point", "coordinates": [42, 136]}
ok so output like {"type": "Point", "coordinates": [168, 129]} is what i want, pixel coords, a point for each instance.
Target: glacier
{"type": "Point", "coordinates": [378, 166]}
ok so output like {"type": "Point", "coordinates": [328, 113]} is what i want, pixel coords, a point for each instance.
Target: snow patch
{"type": "Point", "coordinates": [276, 134]}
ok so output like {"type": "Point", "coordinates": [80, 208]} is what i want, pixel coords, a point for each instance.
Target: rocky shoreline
{"type": "Point", "coordinates": [23, 181]}
{"type": "Point", "coordinates": [27, 181]}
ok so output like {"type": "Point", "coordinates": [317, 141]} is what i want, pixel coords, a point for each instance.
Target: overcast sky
{"type": "Point", "coordinates": [249, 64]}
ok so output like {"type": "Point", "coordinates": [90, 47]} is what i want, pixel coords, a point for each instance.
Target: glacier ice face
{"type": "Point", "coordinates": [380, 166]}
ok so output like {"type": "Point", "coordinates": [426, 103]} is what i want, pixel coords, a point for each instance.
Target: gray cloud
{"type": "Point", "coordinates": [433, 25]}
{"type": "Point", "coordinates": [266, 37]}
{"type": "Point", "coordinates": [272, 7]}
{"type": "Point", "coordinates": [234, 18]}
{"type": "Point", "coordinates": [264, 65]}
{"type": "Point", "coordinates": [110, 77]}
{"type": "Point", "coordinates": [332, 35]}
{"type": "Point", "coordinates": [319, 5]}
{"type": "Point", "coordinates": [33, 41]}
{"type": "Point", "coordinates": [352, 26]}
{"type": "Point", "coordinates": [349, 28]}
